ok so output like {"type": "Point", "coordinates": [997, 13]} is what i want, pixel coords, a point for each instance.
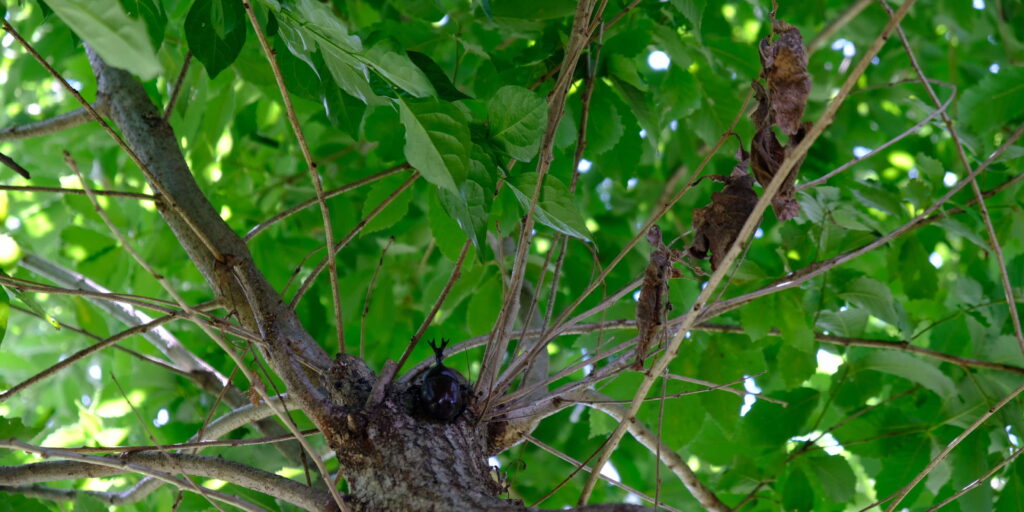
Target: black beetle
{"type": "Point", "coordinates": [442, 390]}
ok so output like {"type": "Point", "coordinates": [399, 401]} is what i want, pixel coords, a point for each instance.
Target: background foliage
{"type": "Point", "coordinates": [457, 90]}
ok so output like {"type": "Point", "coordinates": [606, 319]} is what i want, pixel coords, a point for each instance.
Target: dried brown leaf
{"type": "Point", "coordinates": [766, 156]}
{"type": "Point", "coordinates": [716, 226]}
{"type": "Point", "coordinates": [652, 307]}
{"type": "Point", "coordinates": [784, 64]}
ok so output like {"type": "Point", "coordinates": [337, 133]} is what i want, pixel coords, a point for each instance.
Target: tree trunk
{"type": "Point", "coordinates": [391, 457]}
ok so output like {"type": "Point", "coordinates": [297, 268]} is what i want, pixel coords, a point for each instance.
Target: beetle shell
{"type": "Point", "coordinates": [442, 396]}
{"type": "Point", "coordinates": [442, 393]}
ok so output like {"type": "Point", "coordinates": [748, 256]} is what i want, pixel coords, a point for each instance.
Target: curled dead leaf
{"type": "Point", "coordinates": [652, 307]}
{"type": "Point", "coordinates": [717, 225]}
{"type": "Point", "coordinates": [766, 156]}
{"type": "Point", "coordinates": [784, 65]}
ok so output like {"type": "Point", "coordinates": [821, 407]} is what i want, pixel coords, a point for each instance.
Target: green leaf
{"type": "Point", "coordinates": [755, 323]}
{"type": "Point", "coordinates": [605, 120]}
{"type": "Point", "coordinates": [300, 77]}
{"type": "Point", "coordinates": [918, 275]}
{"type": "Point", "coordinates": [1011, 498]}
{"type": "Point", "coordinates": [308, 26]}
{"type": "Point", "coordinates": [532, 9]}
{"type": "Point", "coordinates": [792, 320]}
{"type": "Point", "coordinates": [771, 424]}
{"type": "Point", "coordinates": [601, 424]}
{"type": "Point", "coordinates": [393, 212]}
{"type": "Point", "coordinates": [150, 12]}
{"type": "Point", "coordinates": [438, 78]}
{"type": "Point", "coordinates": [31, 303]}
{"type": "Point", "coordinates": [19, 503]}
{"type": "Point", "coordinates": [905, 457]}
{"type": "Point", "coordinates": [875, 297]}
{"type": "Point", "coordinates": [668, 40]}
{"type": "Point", "coordinates": [484, 305]}
{"type": "Point", "coordinates": [436, 141]}
{"type": "Point", "coordinates": [796, 492]}
{"type": "Point", "coordinates": [86, 503]}
{"type": "Point", "coordinates": [694, 12]}
{"type": "Point", "coordinates": [446, 231]}
{"type": "Point", "coordinates": [908, 367]}
{"type": "Point", "coordinates": [398, 68]}
{"type": "Point", "coordinates": [968, 463]}
{"type": "Point", "coordinates": [215, 31]}
{"type": "Point", "coordinates": [848, 218]}
{"type": "Point", "coordinates": [795, 366]}
{"type": "Point", "coordinates": [637, 100]}
{"type": "Point", "coordinates": [850, 322]}
{"type": "Point", "coordinates": [555, 207]}
{"type": "Point", "coordinates": [835, 477]}
{"type": "Point", "coordinates": [930, 168]}
{"type": "Point", "coordinates": [13, 428]}
{"type": "Point", "coordinates": [517, 117]}
{"type": "Point", "coordinates": [122, 41]}
{"type": "Point", "coordinates": [996, 101]}
{"type": "Point", "coordinates": [470, 208]}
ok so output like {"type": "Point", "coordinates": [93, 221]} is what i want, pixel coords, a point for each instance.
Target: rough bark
{"type": "Point", "coordinates": [391, 459]}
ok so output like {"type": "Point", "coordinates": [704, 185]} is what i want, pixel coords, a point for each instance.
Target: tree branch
{"type": "Point", "coordinates": [741, 239]}
{"type": "Point", "coordinates": [82, 466]}
{"type": "Point", "coordinates": [52, 125]}
{"type": "Point", "coordinates": [88, 466]}
{"type": "Point", "coordinates": [652, 442]}
{"type": "Point", "coordinates": [993, 240]}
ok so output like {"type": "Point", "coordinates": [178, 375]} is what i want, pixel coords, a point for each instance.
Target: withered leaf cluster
{"type": "Point", "coordinates": [717, 225]}
{"type": "Point", "coordinates": [784, 68]}
{"type": "Point", "coordinates": [652, 307]}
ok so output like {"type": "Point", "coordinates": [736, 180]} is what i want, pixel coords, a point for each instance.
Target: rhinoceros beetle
{"type": "Point", "coordinates": [443, 391]}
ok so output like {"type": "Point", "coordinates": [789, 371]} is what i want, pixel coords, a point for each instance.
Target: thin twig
{"type": "Point", "coordinates": [176, 90]}
{"type": "Point", "coordinates": [117, 463]}
{"type": "Point", "coordinates": [95, 114]}
{"type": "Point", "coordinates": [830, 30]}
{"type": "Point", "coordinates": [344, 241]}
{"type": "Point", "coordinates": [993, 240]}
{"type": "Point", "coordinates": [194, 444]}
{"type": "Point", "coordinates": [163, 451]}
{"type": "Point", "coordinates": [314, 175]}
{"type": "Point", "coordinates": [498, 344]}
{"type": "Point", "coordinates": [811, 442]}
{"type": "Point", "coordinates": [902, 493]}
{"type": "Point", "coordinates": [554, 451]}
{"type": "Point", "coordinates": [675, 463]}
{"type": "Point", "coordinates": [580, 466]}
{"type": "Point", "coordinates": [456, 273]}
{"type": "Point", "coordinates": [977, 481]}
{"type": "Point", "coordinates": [711, 386]}
{"type": "Point", "coordinates": [52, 125]}
{"type": "Point", "coordinates": [369, 296]}
{"type": "Point", "coordinates": [261, 227]}
{"type": "Point", "coordinates": [11, 164]}
{"type": "Point", "coordinates": [85, 352]}
{"type": "Point", "coordinates": [744, 235]}
{"type": "Point", "coordinates": [913, 129]}
{"type": "Point", "coordinates": [78, 191]}
{"type": "Point", "coordinates": [814, 269]}
{"type": "Point", "coordinates": [872, 343]}
{"type": "Point", "coordinates": [191, 314]}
